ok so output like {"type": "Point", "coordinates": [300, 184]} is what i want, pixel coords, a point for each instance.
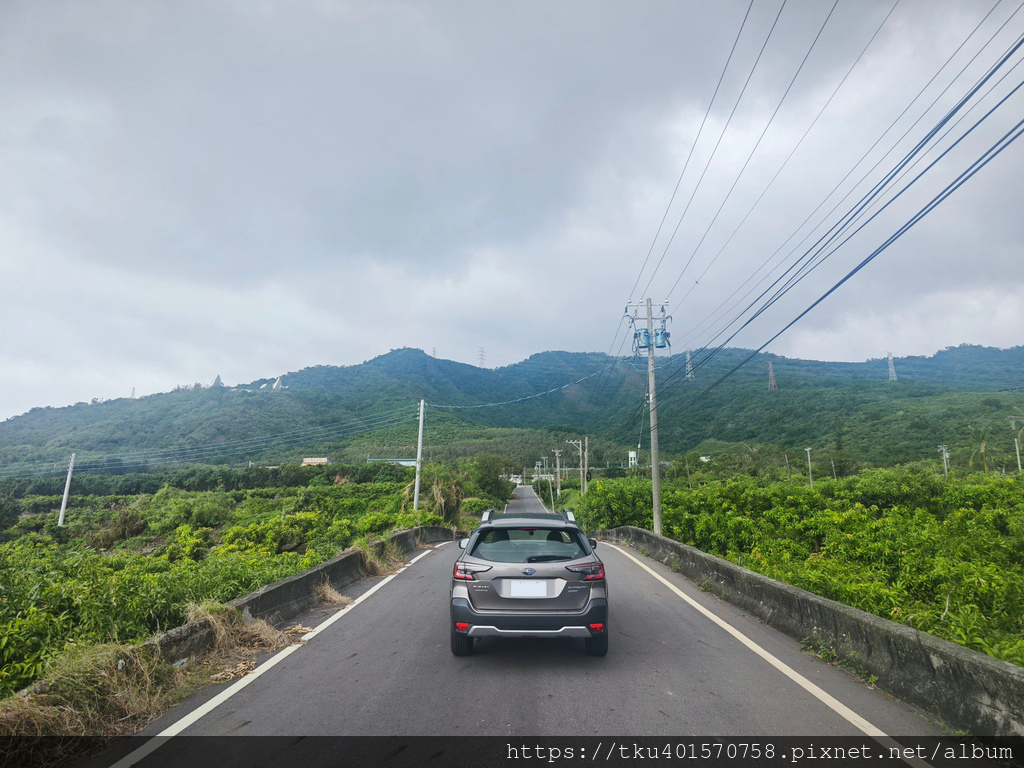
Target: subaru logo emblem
{"type": "Point", "coordinates": [529, 571]}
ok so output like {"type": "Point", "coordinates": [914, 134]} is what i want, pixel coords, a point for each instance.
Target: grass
{"type": "Point", "coordinates": [827, 653]}
{"type": "Point", "coordinates": [388, 561]}
{"type": "Point", "coordinates": [92, 694]}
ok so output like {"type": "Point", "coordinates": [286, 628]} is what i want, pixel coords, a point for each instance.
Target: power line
{"type": "Point", "coordinates": [604, 382]}
{"type": "Point", "coordinates": [306, 431]}
{"type": "Point", "coordinates": [997, 148]}
{"type": "Point", "coordinates": [526, 397]}
{"type": "Point", "coordinates": [792, 151]}
{"type": "Point", "coordinates": [717, 144]}
{"type": "Point", "coordinates": [855, 165]}
{"type": "Point", "coordinates": [253, 445]}
{"type": "Point", "coordinates": [807, 262]}
{"type": "Point", "coordinates": [690, 154]}
{"type": "Point", "coordinates": [754, 150]}
{"type": "Point", "coordinates": [987, 157]}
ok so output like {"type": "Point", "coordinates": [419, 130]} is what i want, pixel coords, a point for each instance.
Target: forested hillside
{"type": "Point", "coordinates": [369, 410]}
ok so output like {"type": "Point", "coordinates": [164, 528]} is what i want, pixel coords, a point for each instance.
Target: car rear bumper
{"type": "Point", "coordinates": [494, 624]}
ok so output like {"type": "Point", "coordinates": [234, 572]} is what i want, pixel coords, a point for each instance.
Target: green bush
{"type": "Point", "coordinates": [475, 506]}
{"type": "Point", "coordinates": [58, 589]}
{"type": "Point", "coordinates": [946, 557]}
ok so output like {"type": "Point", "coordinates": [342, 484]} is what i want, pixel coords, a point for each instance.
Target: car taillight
{"type": "Point", "coordinates": [465, 571]}
{"type": "Point", "coordinates": [593, 571]}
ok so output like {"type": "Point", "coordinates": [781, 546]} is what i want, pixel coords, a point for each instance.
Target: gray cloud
{"type": "Point", "coordinates": [197, 188]}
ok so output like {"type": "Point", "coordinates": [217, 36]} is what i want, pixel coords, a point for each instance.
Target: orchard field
{"type": "Point", "coordinates": [126, 566]}
{"type": "Point", "coordinates": [943, 556]}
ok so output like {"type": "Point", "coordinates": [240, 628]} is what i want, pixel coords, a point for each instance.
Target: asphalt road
{"type": "Point", "coordinates": [384, 667]}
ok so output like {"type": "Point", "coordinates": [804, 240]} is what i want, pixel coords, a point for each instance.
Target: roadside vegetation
{"type": "Point", "coordinates": [94, 693]}
{"type": "Point", "coordinates": [945, 556]}
{"type": "Point", "coordinates": [126, 566]}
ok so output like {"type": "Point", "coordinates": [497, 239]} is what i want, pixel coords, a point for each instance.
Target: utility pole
{"type": "Point", "coordinates": [579, 447]}
{"type": "Point", "coordinates": [586, 462]}
{"type": "Point", "coordinates": [788, 470]}
{"type": "Point", "coordinates": [945, 458]}
{"type": "Point", "coordinates": [67, 489]}
{"type": "Point", "coordinates": [646, 338]}
{"type": "Point", "coordinates": [558, 471]}
{"type": "Point", "coordinates": [809, 476]}
{"type": "Point", "coordinates": [655, 456]}
{"type": "Point", "coordinates": [688, 480]}
{"type": "Point", "coordinates": [419, 460]}
{"type": "Point", "coordinates": [1016, 444]}
{"type": "Point", "coordinates": [833, 469]}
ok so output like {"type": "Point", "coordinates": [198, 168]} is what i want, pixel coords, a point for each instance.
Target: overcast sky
{"type": "Point", "coordinates": [248, 188]}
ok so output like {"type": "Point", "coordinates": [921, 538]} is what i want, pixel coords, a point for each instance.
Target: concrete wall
{"type": "Point", "coordinates": [288, 597]}
{"type": "Point", "coordinates": [967, 690]}
{"type": "Point", "coordinates": [296, 594]}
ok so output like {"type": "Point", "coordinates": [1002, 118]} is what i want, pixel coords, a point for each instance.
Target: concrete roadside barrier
{"type": "Point", "coordinates": [965, 689]}
{"type": "Point", "coordinates": [290, 596]}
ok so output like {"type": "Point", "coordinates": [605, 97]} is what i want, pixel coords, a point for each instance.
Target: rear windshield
{"type": "Point", "coordinates": [529, 545]}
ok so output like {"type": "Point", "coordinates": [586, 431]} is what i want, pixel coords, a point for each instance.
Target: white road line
{"type": "Point", "coordinates": [161, 738]}
{"type": "Point", "coordinates": [195, 715]}
{"type": "Point", "coordinates": [830, 701]}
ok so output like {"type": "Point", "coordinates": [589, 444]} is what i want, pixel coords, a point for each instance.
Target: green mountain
{"type": "Point", "coordinates": [369, 410]}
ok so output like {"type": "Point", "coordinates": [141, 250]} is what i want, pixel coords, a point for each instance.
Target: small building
{"type": "Point", "coordinates": [315, 462]}
{"type": "Point", "coordinates": [400, 462]}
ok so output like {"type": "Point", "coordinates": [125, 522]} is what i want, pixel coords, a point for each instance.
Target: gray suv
{"type": "Point", "coordinates": [529, 575]}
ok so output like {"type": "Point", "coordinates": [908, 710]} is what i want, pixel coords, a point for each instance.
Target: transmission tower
{"type": "Point", "coordinates": [689, 367]}
{"type": "Point", "coordinates": [772, 385]}
{"type": "Point", "coordinates": [892, 369]}
{"type": "Point", "coordinates": [433, 352]}
{"type": "Point", "coordinates": [481, 356]}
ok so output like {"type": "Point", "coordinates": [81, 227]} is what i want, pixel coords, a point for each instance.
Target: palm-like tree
{"type": "Point", "coordinates": [1015, 419]}
{"type": "Point", "coordinates": [979, 438]}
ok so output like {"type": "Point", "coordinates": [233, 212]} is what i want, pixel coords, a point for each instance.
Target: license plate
{"type": "Point", "coordinates": [529, 588]}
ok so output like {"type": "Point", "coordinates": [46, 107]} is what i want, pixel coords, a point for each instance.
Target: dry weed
{"type": "Point", "coordinates": [233, 633]}
{"type": "Point", "coordinates": [241, 669]}
{"type": "Point", "coordinates": [93, 694]}
{"type": "Point", "coordinates": [328, 595]}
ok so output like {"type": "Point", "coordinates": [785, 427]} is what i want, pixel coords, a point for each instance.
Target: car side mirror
{"type": "Point", "coordinates": [593, 543]}
{"type": "Point", "coordinates": [463, 543]}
